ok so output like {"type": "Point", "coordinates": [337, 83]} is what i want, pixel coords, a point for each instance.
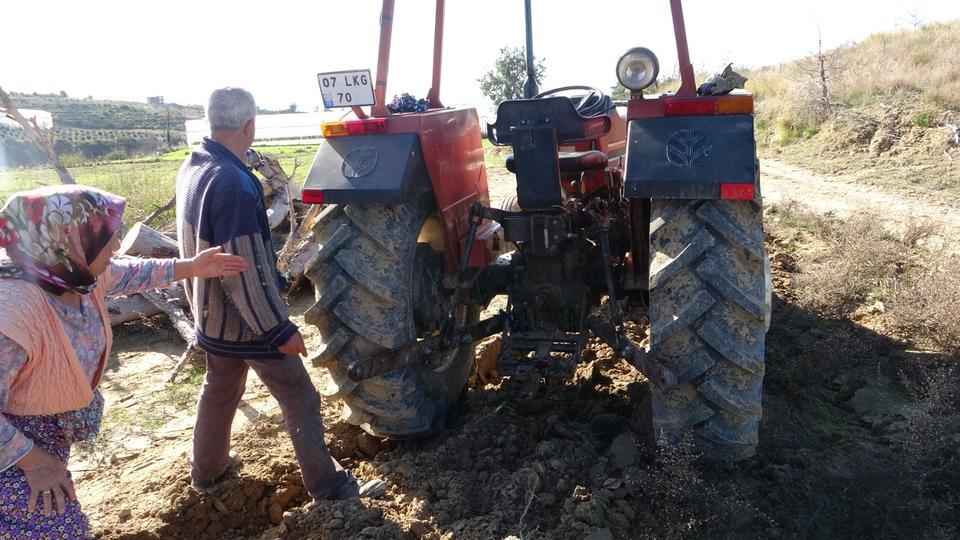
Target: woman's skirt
{"type": "Point", "coordinates": [47, 433]}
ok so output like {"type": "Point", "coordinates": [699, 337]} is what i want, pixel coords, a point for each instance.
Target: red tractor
{"type": "Point", "coordinates": [661, 206]}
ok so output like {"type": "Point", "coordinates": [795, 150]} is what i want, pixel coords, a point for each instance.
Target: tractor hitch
{"type": "Point", "coordinates": [422, 350]}
{"type": "Point", "coordinates": [659, 375]}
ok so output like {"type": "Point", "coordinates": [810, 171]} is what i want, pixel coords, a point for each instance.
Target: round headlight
{"type": "Point", "coordinates": [638, 68]}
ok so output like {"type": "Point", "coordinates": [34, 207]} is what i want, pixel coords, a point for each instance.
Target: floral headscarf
{"type": "Point", "coordinates": [53, 233]}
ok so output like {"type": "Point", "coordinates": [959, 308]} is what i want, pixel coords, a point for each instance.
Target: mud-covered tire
{"type": "Point", "coordinates": [708, 321]}
{"type": "Point", "coordinates": [364, 280]}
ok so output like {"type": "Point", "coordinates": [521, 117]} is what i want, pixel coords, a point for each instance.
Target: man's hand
{"type": "Point", "coordinates": [209, 263]}
{"type": "Point", "coordinates": [47, 476]}
{"type": "Point", "coordinates": [294, 345]}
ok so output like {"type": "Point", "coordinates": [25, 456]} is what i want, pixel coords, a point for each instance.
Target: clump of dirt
{"type": "Point", "coordinates": [158, 501]}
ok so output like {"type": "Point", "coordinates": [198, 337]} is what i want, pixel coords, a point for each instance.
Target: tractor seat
{"type": "Point", "coordinates": [572, 161]}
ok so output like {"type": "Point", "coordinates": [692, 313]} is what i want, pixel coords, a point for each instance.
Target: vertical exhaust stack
{"type": "Point", "coordinates": [530, 87]}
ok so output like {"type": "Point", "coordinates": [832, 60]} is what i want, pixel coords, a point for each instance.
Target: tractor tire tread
{"type": "Point", "coordinates": [364, 307]}
{"type": "Point", "coordinates": [707, 322]}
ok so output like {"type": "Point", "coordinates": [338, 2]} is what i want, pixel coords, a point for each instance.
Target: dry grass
{"type": "Point", "coordinates": [855, 262]}
{"type": "Point", "coordinates": [928, 443]}
{"type": "Point", "coordinates": [928, 306]}
{"type": "Point", "coordinates": [921, 62]}
{"type": "Point", "coordinates": [892, 102]}
{"type": "Point", "coordinates": [857, 265]}
{"type": "Point", "coordinates": [918, 64]}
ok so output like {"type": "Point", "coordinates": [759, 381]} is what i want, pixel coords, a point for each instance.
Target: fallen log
{"type": "Point", "coordinates": [184, 326]}
{"type": "Point", "coordinates": [278, 186]}
{"type": "Point", "coordinates": [300, 247]}
{"type": "Point", "coordinates": [142, 241]}
{"type": "Point", "coordinates": [181, 321]}
{"type": "Point", "coordinates": [279, 208]}
{"type": "Point", "coordinates": [124, 309]}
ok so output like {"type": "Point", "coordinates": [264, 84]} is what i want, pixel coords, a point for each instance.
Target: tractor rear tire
{"type": "Point", "coordinates": [708, 318]}
{"type": "Point", "coordinates": [374, 276]}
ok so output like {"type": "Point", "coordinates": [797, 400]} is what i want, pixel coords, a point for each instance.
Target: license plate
{"type": "Point", "coordinates": [346, 88]}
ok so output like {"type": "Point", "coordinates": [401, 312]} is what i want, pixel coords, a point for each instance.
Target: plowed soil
{"type": "Point", "coordinates": [571, 462]}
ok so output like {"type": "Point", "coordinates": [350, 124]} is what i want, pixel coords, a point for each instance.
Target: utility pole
{"type": "Point", "coordinates": [168, 127]}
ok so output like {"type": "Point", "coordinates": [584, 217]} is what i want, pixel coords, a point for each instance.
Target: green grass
{"type": "Point", "coordinates": [144, 185]}
{"type": "Point", "coordinates": [146, 182]}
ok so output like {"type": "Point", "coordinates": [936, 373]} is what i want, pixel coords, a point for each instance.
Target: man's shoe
{"type": "Point", "coordinates": [373, 489]}
{"type": "Point", "coordinates": [230, 472]}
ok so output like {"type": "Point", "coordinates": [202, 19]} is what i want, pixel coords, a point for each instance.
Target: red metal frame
{"type": "Point", "coordinates": [434, 94]}
{"type": "Point", "coordinates": [453, 153]}
{"type": "Point", "coordinates": [451, 144]}
{"type": "Point", "coordinates": [383, 60]}
{"type": "Point", "coordinates": [688, 84]}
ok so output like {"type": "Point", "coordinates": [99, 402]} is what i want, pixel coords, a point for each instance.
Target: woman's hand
{"type": "Point", "coordinates": [47, 476]}
{"type": "Point", "coordinates": [209, 263]}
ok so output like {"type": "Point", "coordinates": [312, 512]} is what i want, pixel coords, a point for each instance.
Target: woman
{"type": "Point", "coordinates": [54, 339]}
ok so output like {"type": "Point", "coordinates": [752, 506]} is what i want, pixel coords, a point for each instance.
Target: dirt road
{"type": "Point", "coordinates": [781, 182]}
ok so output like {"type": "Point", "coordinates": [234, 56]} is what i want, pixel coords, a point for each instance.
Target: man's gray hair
{"type": "Point", "coordinates": [230, 108]}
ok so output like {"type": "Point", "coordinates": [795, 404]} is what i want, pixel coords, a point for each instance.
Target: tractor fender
{"type": "Point", "coordinates": [369, 169]}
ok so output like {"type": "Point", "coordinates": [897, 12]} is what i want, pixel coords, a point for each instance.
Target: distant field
{"type": "Point", "coordinates": [146, 183]}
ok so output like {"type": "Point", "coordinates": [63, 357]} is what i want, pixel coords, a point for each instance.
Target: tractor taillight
{"type": "Point", "coordinates": [704, 106]}
{"type": "Point", "coordinates": [690, 107]}
{"type": "Point", "coordinates": [370, 126]}
{"type": "Point", "coordinates": [312, 196]}
{"type": "Point", "coordinates": [736, 192]}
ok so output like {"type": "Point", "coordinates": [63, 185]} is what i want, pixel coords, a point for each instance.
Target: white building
{"type": "Point", "coordinates": [275, 129]}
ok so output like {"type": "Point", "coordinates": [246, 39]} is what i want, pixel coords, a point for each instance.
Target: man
{"type": "Point", "coordinates": [241, 321]}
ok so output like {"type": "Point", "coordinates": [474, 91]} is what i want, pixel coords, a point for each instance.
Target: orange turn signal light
{"type": "Point", "coordinates": [370, 126]}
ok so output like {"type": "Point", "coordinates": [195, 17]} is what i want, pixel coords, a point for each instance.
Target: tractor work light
{"type": "Point", "coordinates": [638, 68]}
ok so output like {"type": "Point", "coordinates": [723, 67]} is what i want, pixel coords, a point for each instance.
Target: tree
{"type": "Point", "coordinates": [36, 135]}
{"type": "Point", "coordinates": [505, 80]}
{"type": "Point", "coordinates": [619, 93]}
{"type": "Point", "coordinates": [817, 72]}
{"type": "Point", "coordinates": [292, 108]}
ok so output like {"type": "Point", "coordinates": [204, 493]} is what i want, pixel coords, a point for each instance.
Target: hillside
{"type": "Point", "coordinates": [85, 129]}
{"type": "Point", "coordinates": [885, 110]}
{"type": "Point", "coordinates": [106, 114]}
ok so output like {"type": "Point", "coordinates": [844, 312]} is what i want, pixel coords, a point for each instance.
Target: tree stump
{"type": "Point", "coordinates": [142, 241]}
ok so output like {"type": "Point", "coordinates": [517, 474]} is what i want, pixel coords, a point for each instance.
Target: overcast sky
{"type": "Point", "coordinates": [182, 49]}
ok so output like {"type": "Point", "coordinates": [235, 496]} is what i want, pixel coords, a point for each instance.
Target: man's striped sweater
{"type": "Point", "coordinates": [221, 203]}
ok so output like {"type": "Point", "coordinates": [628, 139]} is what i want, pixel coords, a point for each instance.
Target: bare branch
{"type": "Point", "coordinates": [293, 173]}
{"type": "Point", "coordinates": [159, 210]}
{"type": "Point", "coordinates": [37, 136]}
